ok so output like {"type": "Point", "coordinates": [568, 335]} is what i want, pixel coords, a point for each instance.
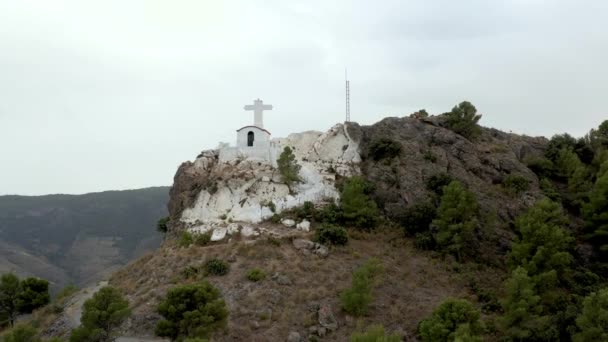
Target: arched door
{"type": "Point", "coordinates": [250, 138]}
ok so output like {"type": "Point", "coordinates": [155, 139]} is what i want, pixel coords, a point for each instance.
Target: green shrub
{"type": "Point", "coordinates": [437, 182]}
{"type": "Point", "coordinates": [185, 239]}
{"type": "Point", "coordinates": [331, 234]}
{"type": "Point", "coordinates": [550, 190]}
{"type": "Point", "coordinates": [595, 213]}
{"type": "Point", "coordinates": [288, 167]}
{"type": "Point", "coordinates": [557, 143]}
{"type": "Point", "coordinates": [357, 207]}
{"type": "Point", "coordinates": [161, 225]}
{"type": "Point", "coordinates": [374, 333]}
{"type": "Point", "coordinates": [456, 220]}
{"type": "Point", "coordinates": [453, 320]}
{"type": "Point", "coordinates": [101, 315]}
{"type": "Point", "coordinates": [417, 218]}
{"type": "Point", "coordinates": [190, 272]}
{"type": "Point", "coordinates": [424, 241]}
{"type": "Point", "coordinates": [384, 148]}
{"type": "Point", "coordinates": [463, 120]}
{"type": "Point", "coordinates": [593, 320]}
{"type": "Point", "coordinates": [256, 274]}
{"type": "Point", "coordinates": [202, 239]}
{"type": "Point", "coordinates": [331, 213]}
{"type": "Point", "coordinates": [541, 166]}
{"type": "Point", "coordinates": [34, 293]}
{"type": "Point", "coordinates": [217, 267]}
{"type": "Point", "coordinates": [191, 311]}
{"type": "Point", "coordinates": [356, 299]}
{"type": "Point", "coordinates": [9, 297]}
{"type": "Point", "coordinates": [275, 218]}
{"type": "Point", "coordinates": [21, 333]}
{"type": "Point", "coordinates": [516, 184]}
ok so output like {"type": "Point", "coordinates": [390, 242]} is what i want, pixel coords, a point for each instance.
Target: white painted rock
{"type": "Point", "coordinates": [233, 228]}
{"type": "Point", "coordinates": [288, 222]}
{"type": "Point", "coordinates": [248, 231]}
{"type": "Point", "coordinates": [219, 233]}
{"type": "Point", "coordinates": [304, 226]}
{"type": "Point", "coordinates": [265, 179]}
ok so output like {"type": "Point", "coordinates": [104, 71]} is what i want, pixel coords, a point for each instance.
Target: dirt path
{"type": "Point", "coordinates": [74, 309]}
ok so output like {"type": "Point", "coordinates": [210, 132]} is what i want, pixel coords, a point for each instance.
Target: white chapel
{"type": "Point", "coordinates": [252, 141]}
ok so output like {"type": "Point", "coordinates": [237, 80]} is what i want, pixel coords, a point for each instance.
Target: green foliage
{"type": "Point", "coordinates": [357, 207]}
{"type": "Point", "coordinates": [417, 218]}
{"type": "Point", "coordinates": [202, 239]}
{"type": "Point", "coordinates": [523, 313]}
{"type": "Point", "coordinates": [593, 320]}
{"type": "Point", "coordinates": [424, 241]}
{"type": "Point", "coordinates": [331, 234]}
{"type": "Point", "coordinates": [331, 213]}
{"type": "Point", "coordinates": [456, 219]}
{"type": "Point", "coordinates": [543, 247]}
{"type": "Point", "coordinates": [550, 190]}
{"type": "Point", "coordinates": [276, 218]}
{"type": "Point", "coordinates": [193, 311]}
{"type": "Point", "coordinates": [356, 299]}
{"type": "Point", "coordinates": [516, 184]}
{"type": "Point", "coordinates": [161, 225]}
{"type": "Point", "coordinates": [541, 166]}
{"type": "Point", "coordinates": [21, 333]}
{"type": "Point", "coordinates": [288, 167]}
{"type": "Point", "coordinates": [463, 120]}
{"type": "Point", "coordinates": [595, 213]}
{"type": "Point", "coordinates": [256, 274]}
{"type": "Point", "coordinates": [437, 182]}
{"type": "Point", "coordinates": [384, 148]}
{"type": "Point", "coordinates": [217, 267]}
{"type": "Point", "coordinates": [558, 143]}
{"type": "Point", "coordinates": [185, 239]}
{"type": "Point", "coordinates": [9, 297]}
{"type": "Point", "coordinates": [374, 333]}
{"type": "Point", "coordinates": [34, 294]}
{"type": "Point", "coordinates": [453, 320]}
{"type": "Point", "coordinates": [101, 314]}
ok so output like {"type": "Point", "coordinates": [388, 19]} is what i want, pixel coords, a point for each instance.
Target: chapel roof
{"type": "Point", "coordinates": [242, 128]}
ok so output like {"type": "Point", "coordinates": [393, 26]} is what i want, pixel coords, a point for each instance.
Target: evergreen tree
{"type": "Point", "coordinates": [595, 213]}
{"type": "Point", "coordinates": [101, 314]}
{"type": "Point", "coordinates": [523, 318]}
{"type": "Point", "coordinates": [543, 246]}
{"type": "Point", "coordinates": [288, 167]}
{"type": "Point", "coordinates": [456, 219]}
{"type": "Point", "coordinates": [34, 294]}
{"type": "Point", "coordinates": [9, 297]}
{"type": "Point", "coordinates": [599, 136]}
{"type": "Point", "coordinates": [22, 333]}
{"type": "Point", "coordinates": [558, 143]}
{"type": "Point", "coordinates": [453, 320]}
{"type": "Point", "coordinates": [463, 120]}
{"type": "Point", "coordinates": [593, 320]}
{"type": "Point", "coordinates": [358, 208]}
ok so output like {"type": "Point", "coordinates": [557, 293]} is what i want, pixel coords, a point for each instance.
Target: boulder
{"type": "Point", "coordinates": [294, 336]}
{"type": "Point", "coordinates": [303, 244]}
{"type": "Point", "coordinates": [288, 223]}
{"type": "Point", "coordinates": [232, 228]}
{"type": "Point", "coordinates": [304, 226]}
{"type": "Point", "coordinates": [219, 234]}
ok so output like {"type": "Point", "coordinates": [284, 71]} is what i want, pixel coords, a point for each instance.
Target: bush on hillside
{"type": "Point", "coordinates": [331, 214]}
{"type": "Point", "coordinates": [101, 315]}
{"type": "Point", "coordinates": [453, 320]}
{"type": "Point", "coordinates": [185, 239]}
{"type": "Point", "coordinates": [202, 239]}
{"type": "Point", "coordinates": [384, 148]}
{"type": "Point", "coordinates": [356, 299]}
{"type": "Point", "coordinates": [592, 322]}
{"type": "Point", "coordinates": [516, 184]}
{"type": "Point", "coordinates": [557, 143]}
{"type": "Point", "coordinates": [457, 219]}
{"type": "Point", "coordinates": [191, 311]}
{"type": "Point", "coordinates": [417, 218]}
{"type": "Point", "coordinates": [161, 225]}
{"type": "Point", "coordinates": [463, 120]}
{"type": "Point", "coordinates": [21, 333]}
{"type": "Point", "coordinates": [330, 234]}
{"type": "Point", "coordinates": [9, 297]}
{"type": "Point", "coordinates": [357, 206]}
{"type": "Point", "coordinates": [256, 274]}
{"type": "Point", "coordinates": [34, 294]}
{"type": "Point", "coordinates": [217, 267]}
{"type": "Point", "coordinates": [595, 213]}
{"type": "Point", "coordinates": [374, 333]}
{"type": "Point", "coordinates": [288, 167]}
{"type": "Point", "coordinates": [541, 166]}
{"type": "Point", "coordinates": [424, 241]}
{"type": "Point", "coordinates": [437, 182]}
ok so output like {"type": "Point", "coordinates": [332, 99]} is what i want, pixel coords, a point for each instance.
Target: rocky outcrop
{"type": "Point", "coordinates": [209, 193]}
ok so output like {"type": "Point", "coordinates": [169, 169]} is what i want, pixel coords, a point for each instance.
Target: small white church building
{"type": "Point", "coordinates": [253, 141]}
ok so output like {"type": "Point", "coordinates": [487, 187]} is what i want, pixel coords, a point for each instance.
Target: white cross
{"type": "Point", "coordinates": [258, 109]}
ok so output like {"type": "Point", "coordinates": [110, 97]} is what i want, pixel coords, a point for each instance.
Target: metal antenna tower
{"type": "Point", "coordinates": [347, 95]}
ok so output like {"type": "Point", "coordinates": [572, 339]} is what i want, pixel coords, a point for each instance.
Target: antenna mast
{"type": "Point", "coordinates": [347, 95]}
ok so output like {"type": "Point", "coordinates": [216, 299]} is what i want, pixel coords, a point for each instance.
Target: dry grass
{"type": "Point", "coordinates": [412, 285]}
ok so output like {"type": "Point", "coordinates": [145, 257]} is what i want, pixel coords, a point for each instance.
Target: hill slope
{"type": "Point", "coordinates": [78, 238]}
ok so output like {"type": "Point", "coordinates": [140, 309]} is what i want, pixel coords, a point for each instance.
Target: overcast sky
{"type": "Point", "coordinates": [115, 94]}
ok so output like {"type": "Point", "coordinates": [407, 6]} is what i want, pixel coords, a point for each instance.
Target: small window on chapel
{"type": "Point", "coordinates": [250, 139]}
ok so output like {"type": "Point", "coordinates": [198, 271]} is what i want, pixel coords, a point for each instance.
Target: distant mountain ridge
{"type": "Point", "coordinates": [78, 238]}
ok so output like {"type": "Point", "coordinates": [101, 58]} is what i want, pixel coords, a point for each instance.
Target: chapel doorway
{"type": "Point", "coordinates": [250, 139]}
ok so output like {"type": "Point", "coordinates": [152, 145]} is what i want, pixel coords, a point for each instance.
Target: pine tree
{"type": "Point", "coordinates": [288, 167]}
{"type": "Point", "coordinates": [463, 120]}
{"type": "Point", "coordinates": [593, 320]}
{"type": "Point", "coordinates": [456, 219]}
{"type": "Point", "coordinates": [9, 297]}
{"type": "Point", "coordinates": [595, 213]}
{"type": "Point", "coordinates": [523, 313]}
{"type": "Point", "coordinates": [543, 247]}
{"type": "Point", "coordinates": [358, 208]}
{"type": "Point", "coordinates": [453, 320]}
{"type": "Point", "coordinates": [101, 314]}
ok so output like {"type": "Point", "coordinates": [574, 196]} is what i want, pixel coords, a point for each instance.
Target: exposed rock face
{"type": "Point", "coordinates": [208, 192]}
{"type": "Point", "coordinates": [429, 149]}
